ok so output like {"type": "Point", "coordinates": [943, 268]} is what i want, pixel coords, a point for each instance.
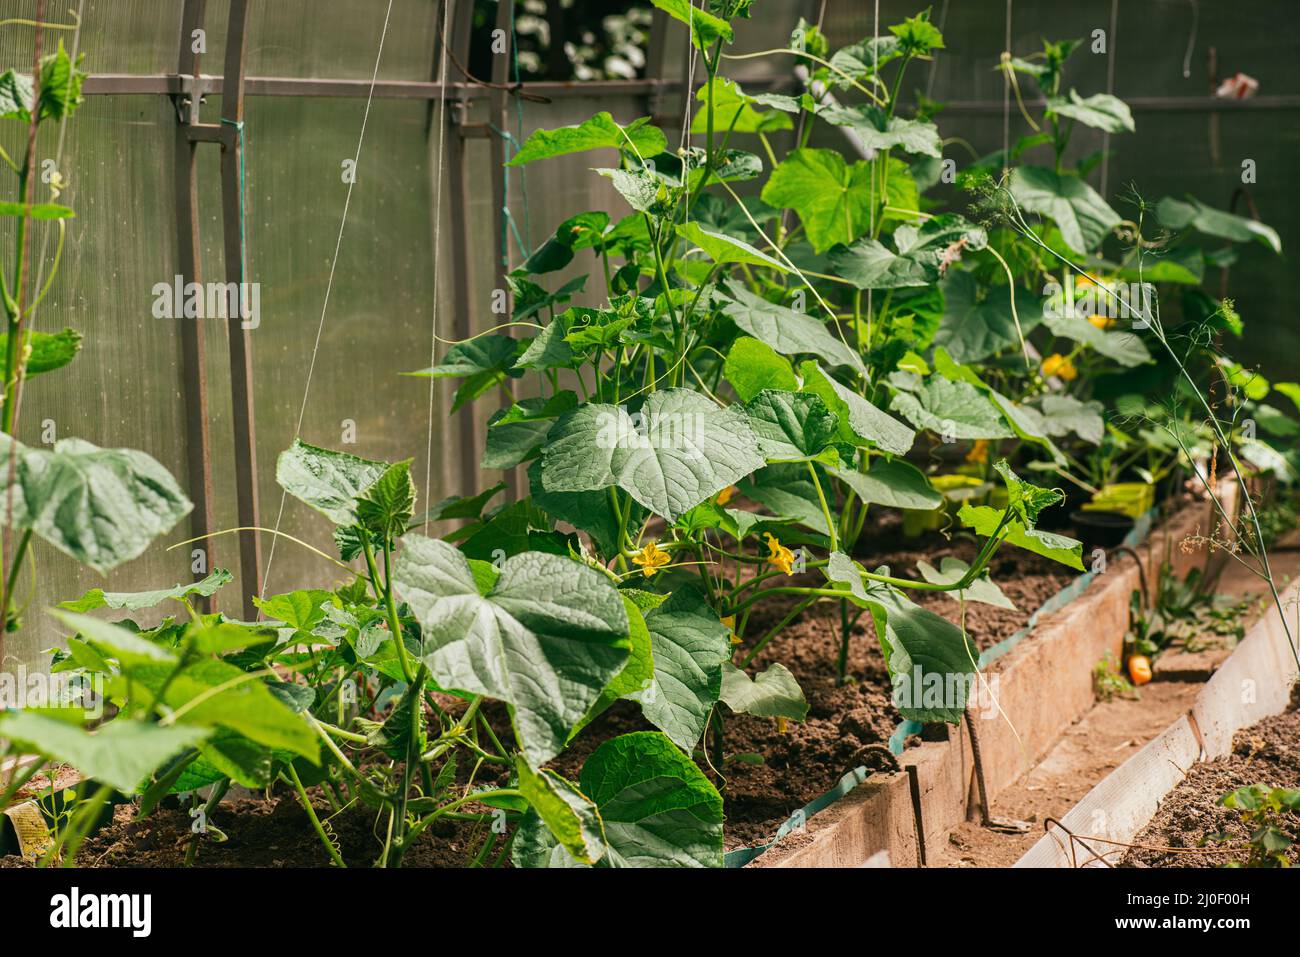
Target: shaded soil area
{"type": "Point", "coordinates": [263, 832]}
{"type": "Point", "coordinates": [1267, 753]}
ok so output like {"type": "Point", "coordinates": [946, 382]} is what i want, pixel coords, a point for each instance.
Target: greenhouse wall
{"type": "Point", "coordinates": [391, 290]}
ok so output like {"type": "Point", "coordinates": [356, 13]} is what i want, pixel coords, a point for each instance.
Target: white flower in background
{"type": "Point", "coordinates": [1239, 86]}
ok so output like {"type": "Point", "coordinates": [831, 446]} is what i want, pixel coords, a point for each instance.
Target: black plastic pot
{"type": "Point", "coordinates": [1060, 517]}
{"type": "Point", "coordinates": [1101, 529]}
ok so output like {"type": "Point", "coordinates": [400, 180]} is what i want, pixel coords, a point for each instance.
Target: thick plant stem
{"type": "Point", "coordinates": [424, 822]}
{"type": "Point", "coordinates": [390, 607]}
{"type": "Point", "coordinates": [826, 512]}
{"type": "Point", "coordinates": [14, 308]}
{"type": "Point", "coordinates": [842, 663]}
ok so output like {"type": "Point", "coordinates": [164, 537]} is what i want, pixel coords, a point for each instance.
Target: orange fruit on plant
{"type": "Point", "coordinates": [1139, 669]}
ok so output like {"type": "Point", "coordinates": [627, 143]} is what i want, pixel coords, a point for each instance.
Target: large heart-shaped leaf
{"type": "Point", "coordinates": [870, 264]}
{"type": "Point", "coordinates": [658, 809]}
{"type": "Point", "coordinates": [680, 450]}
{"type": "Point", "coordinates": [832, 198]}
{"type": "Point", "coordinates": [957, 410]}
{"type": "Point", "coordinates": [924, 254]}
{"type": "Point", "coordinates": [593, 514]}
{"type": "Point", "coordinates": [752, 366]}
{"type": "Point", "coordinates": [545, 638]}
{"type": "Point", "coordinates": [789, 332]}
{"type": "Point", "coordinates": [103, 507]}
{"type": "Point", "coordinates": [861, 423]}
{"type": "Point", "coordinates": [978, 323]}
{"type": "Point", "coordinates": [1081, 215]}
{"type": "Point", "coordinates": [735, 111]}
{"type": "Point", "coordinates": [792, 426]}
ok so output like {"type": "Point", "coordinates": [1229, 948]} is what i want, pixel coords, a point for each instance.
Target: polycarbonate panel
{"type": "Point", "coordinates": [334, 39]}
{"type": "Point", "coordinates": [1173, 152]}
{"type": "Point", "coordinates": [124, 388]}
{"type": "Point", "coordinates": [117, 36]}
{"type": "Point", "coordinates": [378, 321]}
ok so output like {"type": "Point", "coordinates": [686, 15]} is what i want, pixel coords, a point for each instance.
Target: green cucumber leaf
{"type": "Point", "coordinates": [545, 638]}
{"type": "Point", "coordinates": [773, 693]}
{"type": "Point", "coordinates": [599, 132]}
{"type": "Point", "coordinates": [122, 754]}
{"type": "Point", "coordinates": [683, 450]}
{"type": "Point", "coordinates": [657, 807]}
{"type": "Point", "coordinates": [137, 600]}
{"type": "Point", "coordinates": [102, 507]}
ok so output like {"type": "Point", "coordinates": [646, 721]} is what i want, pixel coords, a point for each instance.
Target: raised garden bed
{"type": "Point", "coordinates": [1254, 686]}
{"type": "Point", "coordinates": [1192, 815]}
{"type": "Point", "coordinates": [1044, 683]}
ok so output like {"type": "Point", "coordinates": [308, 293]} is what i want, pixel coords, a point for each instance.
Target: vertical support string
{"type": "Point", "coordinates": [1006, 96]}
{"type": "Point", "coordinates": [443, 56]}
{"type": "Point", "coordinates": [329, 285]}
{"type": "Point", "coordinates": [1110, 89]}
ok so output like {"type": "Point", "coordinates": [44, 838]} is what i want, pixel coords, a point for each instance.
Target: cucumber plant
{"type": "Point", "coordinates": [779, 336]}
{"type": "Point", "coordinates": [100, 506]}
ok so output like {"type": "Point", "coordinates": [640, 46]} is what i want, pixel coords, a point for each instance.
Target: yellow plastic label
{"type": "Point", "coordinates": [34, 837]}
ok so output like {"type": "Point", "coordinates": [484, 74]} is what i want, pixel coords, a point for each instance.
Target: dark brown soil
{"type": "Point", "coordinates": [267, 833]}
{"type": "Point", "coordinates": [1267, 753]}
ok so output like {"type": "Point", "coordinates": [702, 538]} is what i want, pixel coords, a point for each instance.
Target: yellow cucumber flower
{"type": "Point", "coordinates": [779, 555]}
{"type": "Point", "coordinates": [1101, 322]}
{"type": "Point", "coordinates": [730, 622]}
{"type": "Point", "coordinates": [979, 452]}
{"type": "Point", "coordinates": [723, 497]}
{"type": "Point", "coordinates": [650, 558]}
{"type": "Point", "coordinates": [1059, 365]}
